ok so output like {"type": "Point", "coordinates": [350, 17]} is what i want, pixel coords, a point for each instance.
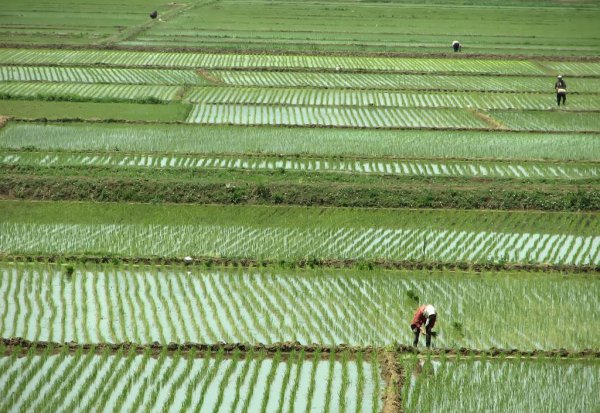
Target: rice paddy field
{"type": "Point", "coordinates": [239, 205]}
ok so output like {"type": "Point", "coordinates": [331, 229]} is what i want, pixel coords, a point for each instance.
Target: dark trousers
{"type": "Point", "coordinates": [417, 332]}
{"type": "Point", "coordinates": [560, 96]}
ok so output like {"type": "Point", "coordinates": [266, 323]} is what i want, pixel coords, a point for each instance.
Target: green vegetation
{"type": "Point", "coordinates": [500, 385]}
{"type": "Point", "coordinates": [273, 140]}
{"type": "Point", "coordinates": [176, 190]}
{"type": "Point", "coordinates": [36, 109]}
{"type": "Point", "coordinates": [520, 28]}
{"type": "Point", "coordinates": [72, 22]}
{"type": "Point", "coordinates": [493, 309]}
{"type": "Point", "coordinates": [179, 381]}
{"type": "Point", "coordinates": [338, 234]}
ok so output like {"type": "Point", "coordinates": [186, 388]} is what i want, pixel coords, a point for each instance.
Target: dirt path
{"type": "Point", "coordinates": [493, 123]}
{"type": "Point", "coordinates": [394, 376]}
{"type": "Point", "coordinates": [3, 120]}
{"type": "Point", "coordinates": [390, 366]}
{"type": "Point", "coordinates": [205, 74]}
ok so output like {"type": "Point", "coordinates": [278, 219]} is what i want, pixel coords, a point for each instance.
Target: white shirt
{"type": "Point", "coordinates": [429, 310]}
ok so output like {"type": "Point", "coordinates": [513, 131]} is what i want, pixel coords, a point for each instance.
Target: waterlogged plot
{"type": "Point", "coordinates": [347, 97]}
{"type": "Point", "coordinates": [575, 68]}
{"type": "Point", "coordinates": [330, 142]}
{"type": "Point", "coordinates": [260, 61]}
{"type": "Point", "coordinates": [143, 304]}
{"type": "Point", "coordinates": [549, 121]}
{"type": "Point", "coordinates": [523, 385]}
{"type": "Point", "coordinates": [333, 116]}
{"type": "Point", "coordinates": [290, 233]}
{"type": "Point", "coordinates": [100, 380]}
{"type": "Point", "coordinates": [400, 81]}
{"type": "Point", "coordinates": [399, 167]}
{"type": "Point", "coordinates": [100, 75]}
{"type": "Point", "coordinates": [341, 243]}
{"type": "Point", "coordinates": [88, 91]}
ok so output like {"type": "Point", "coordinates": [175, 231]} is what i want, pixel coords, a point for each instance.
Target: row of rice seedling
{"type": "Point", "coordinates": [548, 121]}
{"type": "Point", "coordinates": [348, 97]}
{"type": "Point", "coordinates": [257, 61]}
{"type": "Point", "coordinates": [300, 218]}
{"type": "Point", "coordinates": [89, 91]}
{"type": "Point", "coordinates": [376, 243]}
{"type": "Point", "coordinates": [400, 167]}
{"type": "Point", "coordinates": [360, 117]}
{"type": "Point", "coordinates": [330, 142]}
{"type": "Point", "coordinates": [401, 81]}
{"type": "Point", "coordinates": [206, 382]}
{"type": "Point", "coordinates": [501, 385]}
{"type": "Point", "coordinates": [99, 75]}
{"type": "Point", "coordinates": [143, 304]}
{"type": "Point", "coordinates": [574, 68]}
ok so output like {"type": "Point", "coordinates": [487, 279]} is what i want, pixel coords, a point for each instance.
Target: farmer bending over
{"type": "Point", "coordinates": [456, 46]}
{"type": "Point", "coordinates": [561, 90]}
{"type": "Point", "coordinates": [425, 315]}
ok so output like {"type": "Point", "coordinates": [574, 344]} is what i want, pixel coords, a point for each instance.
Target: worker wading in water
{"type": "Point", "coordinates": [561, 90]}
{"type": "Point", "coordinates": [425, 316]}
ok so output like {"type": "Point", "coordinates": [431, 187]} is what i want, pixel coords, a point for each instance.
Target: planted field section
{"type": "Point", "coordinates": [530, 385]}
{"type": "Point", "coordinates": [98, 380]}
{"type": "Point", "coordinates": [343, 243]}
{"type": "Point", "coordinates": [100, 75]}
{"type": "Point", "coordinates": [330, 142]}
{"type": "Point", "coordinates": [575, 68]}
{"type": "Point", "coordinates": [374, 27]}
{"type": "Point", "coordinates": [70, 22]}
{"type": "Point", "coordinates": [143, 304]}
{"type": "Point", "coordinates": [87, 91]}
{"type": "Point", "coordinates": [346, 97]}
{"type": "Point", "coordinates": [265, 61]}
{"type": "Point", "coordinates": [402, 81]}
{"type": "Point", "coordinates": [130, 111]}
{"type": "Point", "coordinates": [549, 121]}
{"type": "Point", "coordinates": [290, 233]}
{"type": "Point", "coordinates": [356, 117]}
{"type": "Point", "coordinates": [398, 167]}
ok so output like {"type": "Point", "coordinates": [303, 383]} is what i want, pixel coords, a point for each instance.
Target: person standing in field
{"type": "Point", "coordinates": [424, 316]}
{"type": "Point", "coordinates": [561, 90]}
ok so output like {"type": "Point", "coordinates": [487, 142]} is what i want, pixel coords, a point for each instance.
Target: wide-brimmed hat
{"type": "Point", "coordinates": [559, 76]}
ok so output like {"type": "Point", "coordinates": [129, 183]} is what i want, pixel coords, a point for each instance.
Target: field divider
{"type": "Point", "coordinates": [316, 53]}
{"type": "Point", "coordinates": [309, 262]}
{"type": "Point", "coordinates": [394, 377]}
{"type": "Point", "coordinates": [181, 122]}
{"type": "Point", "coordinates": [209, 77]}
{"type": "Point", "coordinates": [389, 352]}
{"type": "Point", "coordinates": [495, 124]}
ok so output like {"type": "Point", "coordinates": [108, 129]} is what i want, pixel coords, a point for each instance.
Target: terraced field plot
{"type": "Point", "coordinates": [193, 60]}
{"type": "Point", "coordinates": [345, 97]}
{"type": "Point", "coordinates": [318, 142]}
{"type": "Point", "coordinates": [99, 75]}
{"type": "Point", "coordinates": [42, 228]}
{"type": "Point", "coordinates": [367, 26]}
{"type": "Point", "coordinates": [432, 82]}
{"type": "Point", "coordinates": [492, 385]}
{"type": "Point", "coordinates": [89, 91]}
{"type": "Point", "coordinates": [68, 22]}
{"type": "Point", "coordinates": [508, 170]}
{"type": "Point", "coordinates": [192, 381]}
{"type": "Point", "coordinates": [330, 116]}
{"type": "Point", "coordinates": [142, 304]}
